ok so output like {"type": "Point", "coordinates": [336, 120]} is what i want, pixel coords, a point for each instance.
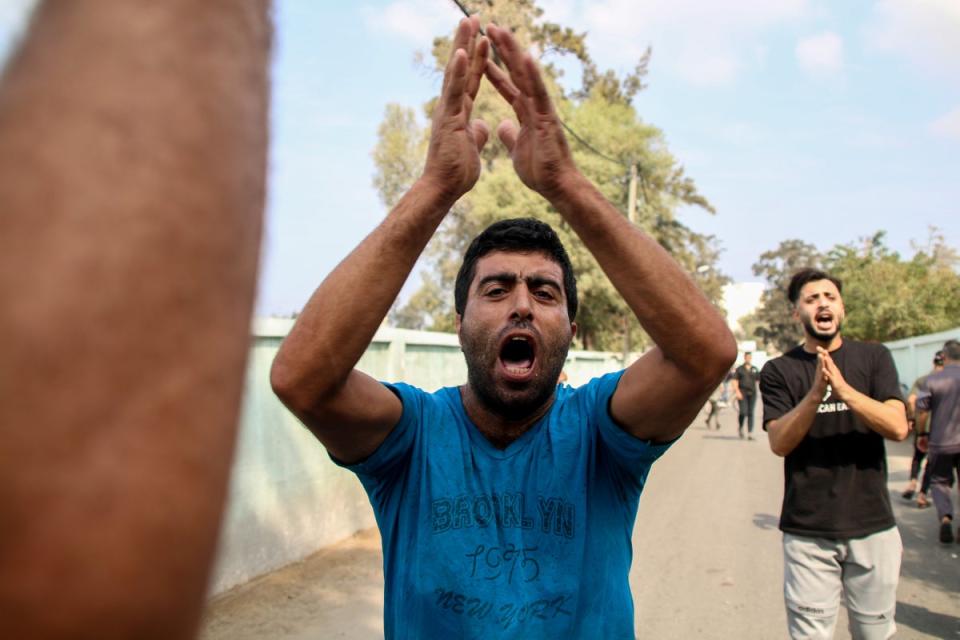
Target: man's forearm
{"type": "Point", "coordinates": [787, 431]}
{"type": "Point", "coordinates": [341, 318]}
{"type": "Point", "coordinates": [132, 169]}
{"type": "Point", "coordinates": [669, 306]}
{"type": "Point", "coordinates": [889, 420]}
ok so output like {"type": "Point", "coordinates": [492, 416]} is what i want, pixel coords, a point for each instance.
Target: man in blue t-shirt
{"type": "Point", "coordinates": [505, 505]}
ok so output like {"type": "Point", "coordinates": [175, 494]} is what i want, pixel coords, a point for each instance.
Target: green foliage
{"type": "Point", "coordinates": [749, 325]}
{"type": "Point", "coordinates": [886, 297]}
{"type": "Point", "coordinates": [402, 147]}
{"type": "Point", "coordinates": [774, 323]}
{"type": "Point", "coordinates": [601, 112]}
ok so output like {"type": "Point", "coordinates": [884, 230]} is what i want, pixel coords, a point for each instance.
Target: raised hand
{"type": "Point", "coordinates": [453, 157]}
{"type": "Point", "coordinates": [832, 375]}
{"type": "Point", "coordinates": [538, 147]}
{"type": "Point", "coordinates": [821, 379]}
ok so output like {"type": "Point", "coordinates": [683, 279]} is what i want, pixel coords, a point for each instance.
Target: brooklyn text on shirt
{"type": "Point", "coordinates": [507, 510]}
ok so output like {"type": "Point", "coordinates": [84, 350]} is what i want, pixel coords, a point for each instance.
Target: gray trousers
{"type": "Point", "coordinates": [817, 571]}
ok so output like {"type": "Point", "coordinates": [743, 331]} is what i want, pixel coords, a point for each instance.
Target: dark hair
{"type": "Point", "coordinates": [517, 235]}
{"type": "Point", "coordinates": [802, 277]}
{"type": "Point", "coordinates": [938, 358]}
{"type": "Point", "coordinates": [951, 350]}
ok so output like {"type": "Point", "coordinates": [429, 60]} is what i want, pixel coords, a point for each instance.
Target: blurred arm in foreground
{"type": "Point", "coordinates": [132, 160]}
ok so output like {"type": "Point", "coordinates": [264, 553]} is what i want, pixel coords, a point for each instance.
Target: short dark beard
{"type": "Point", "coordinates": [512, 407]}
{"type": "Point", "coordinates": [817, 335]}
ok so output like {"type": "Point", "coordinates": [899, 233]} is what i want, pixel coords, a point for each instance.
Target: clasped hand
{"type": "Point", "coordinates": [829, 374]}
{"type": "Point", "coordinates": [538, 147]}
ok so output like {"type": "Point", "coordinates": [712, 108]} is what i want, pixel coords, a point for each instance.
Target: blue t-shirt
{"type": "Point", "coordinates": [528, 542]}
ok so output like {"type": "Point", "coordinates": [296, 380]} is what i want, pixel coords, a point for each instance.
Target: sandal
{"type": "Point", "coordinates": [908, 494]}
{"type": "Point", "coordinates": [922, 502]}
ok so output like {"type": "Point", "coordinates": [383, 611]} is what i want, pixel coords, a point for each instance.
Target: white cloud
{"type": "Point", "coordinates": [821, 54]}
{"type": "Point", "coordinates": [706, 43]}
{"type": "Point", "coordinates": [418, 21]}
{"type": "Point", "coordinates": [926, 32]}
{"type": "Point", "coordinates": [947, 125]}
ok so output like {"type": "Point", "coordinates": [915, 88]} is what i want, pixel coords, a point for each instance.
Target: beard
{"type": "Point", "coordinates": [513, 402]}
{"type": "Point", "coordinates": [822, 336]}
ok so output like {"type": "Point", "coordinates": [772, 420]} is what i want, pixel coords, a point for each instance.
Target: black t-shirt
{"type": "Point", "coordinates": [835, 480]}
{"type": "Point", "coordinates": [746, 376]}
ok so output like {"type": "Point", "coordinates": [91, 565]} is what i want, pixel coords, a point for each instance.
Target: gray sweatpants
{"type": "Point", "coordinates": [817, 570]}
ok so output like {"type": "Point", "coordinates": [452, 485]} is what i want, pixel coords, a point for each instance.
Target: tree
{"type": "Point", "coordinates": [773, 322]}
{"type": "Point", "coordinates": [748, 328]}
{"type": "Point", "coordinates": [886, 297]}
{"type": "Point", "coordinates": [610, 138]}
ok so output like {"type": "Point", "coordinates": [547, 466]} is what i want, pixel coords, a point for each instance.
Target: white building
{"type": "Point", "coordinates": [740, 299]}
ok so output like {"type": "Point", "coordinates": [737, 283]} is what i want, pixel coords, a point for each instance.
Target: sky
{"type": "Point", "coordinates": [811, 119]}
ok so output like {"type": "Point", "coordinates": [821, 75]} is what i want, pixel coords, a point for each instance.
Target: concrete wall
{"type": "Point", "coordinates": [287, 499]}
{"type": "Point", "coordinates": [914, 356]}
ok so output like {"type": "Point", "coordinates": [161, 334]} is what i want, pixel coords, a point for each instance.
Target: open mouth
{"type": "Point", "coordinates": [824, 320]}
{"type": "Point", "coordinates": [517, 355]}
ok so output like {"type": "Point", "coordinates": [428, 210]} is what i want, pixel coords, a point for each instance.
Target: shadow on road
{"type": "Point", "coordinates": [765, 521]}
{"type": "Point", "coordinates": [719, 437]}
{"type": "Point", "coordinates": [923, 620]}
{"type": "Point", "coordinates": [925, 559]}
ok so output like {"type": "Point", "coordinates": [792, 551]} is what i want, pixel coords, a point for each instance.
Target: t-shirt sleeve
{"type": "Point", "coordinates": [923, 394]}
{"type": "Point", "coordinates": [776, 395]}
{"type": "Point", "coordinates": [886, 381]}
{"type": "Point", "coordinates": [390, 457]}
{"type": "Point", "coordinates": [631, 455]}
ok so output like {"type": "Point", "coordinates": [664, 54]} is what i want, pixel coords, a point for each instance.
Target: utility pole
{"type": "Point", "coordinates": [632, 217]}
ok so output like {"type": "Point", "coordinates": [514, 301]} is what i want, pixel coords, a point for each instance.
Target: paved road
{"type": "Point", "coordinates": [707, 560]}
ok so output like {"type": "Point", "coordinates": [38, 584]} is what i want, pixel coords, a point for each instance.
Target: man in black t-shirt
{"type": "Point", "coordinates": [828, 405]}
{"type": "Point", "coordinates": [745, 389]}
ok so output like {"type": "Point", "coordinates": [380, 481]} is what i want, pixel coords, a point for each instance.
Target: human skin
{"type": "Point", "coordinates": [819, 310]}
{"type": "Point", "coordinates": [313, 373]}
{"type": "Point", "coordinates": [513, 295]}
{"type": "Point", "coordinates": [658, 396]}
{"type": "Point", "coordinates": [133, 142]}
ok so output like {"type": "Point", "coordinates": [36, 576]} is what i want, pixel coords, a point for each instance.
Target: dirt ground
{"type": "Point", "coordinates": [707, 560]}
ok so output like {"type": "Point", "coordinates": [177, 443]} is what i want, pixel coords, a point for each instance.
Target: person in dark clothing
{"type": "Point", "coordinates": [745, 389]}
{"type": "Point", "coordinates": [828, 405]}
{"type": "Point", "coordinates": [939, 398]}
{"type": "Point", "coordinates": [919, 443]}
